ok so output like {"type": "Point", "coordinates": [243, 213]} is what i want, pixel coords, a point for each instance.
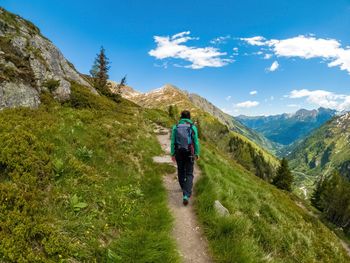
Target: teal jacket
{"type": "Point", "coordinates": [195, 138]}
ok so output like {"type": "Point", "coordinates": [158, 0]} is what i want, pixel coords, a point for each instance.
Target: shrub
{"type": "Point", "coordinates": [51, 84]}
{"type": "Point", "coordinates": [81, 97]}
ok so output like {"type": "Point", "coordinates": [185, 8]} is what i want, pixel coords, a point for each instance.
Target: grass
{"type": "Point", "coordinates": [78, 184]}
{"type": "Point", "coordinates": [264, 225]}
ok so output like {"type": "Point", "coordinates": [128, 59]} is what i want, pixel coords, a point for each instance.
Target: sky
{"type": "Point", "coordinates": [247, 57]}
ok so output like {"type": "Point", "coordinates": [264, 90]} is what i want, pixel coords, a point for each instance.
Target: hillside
{"type": "Point", "coordinates": [264, 225]}
{"type": "Point", "coordinates": [286, 129]}
{"type": "Point", "coordinates": [78, 182]}
{"type": "Point", "coordinates": [325, 150]}
{"type": "Point", "coordinates": [168, 95]}
{"type": "Point", "coordinates": [214, 127]}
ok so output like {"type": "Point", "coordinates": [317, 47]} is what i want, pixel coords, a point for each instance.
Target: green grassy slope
{"type": "Point", "coordinates": [264, 225]}
{"type": "Point", "coordinates": [325, 150]}
{"type": "Point", "coordinates": [77, 184]}
{"type": "Point", "coordinates": [249, 154]}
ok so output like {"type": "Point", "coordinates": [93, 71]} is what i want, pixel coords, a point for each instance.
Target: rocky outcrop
{"type": "Point", "coordinates": [30, 63]}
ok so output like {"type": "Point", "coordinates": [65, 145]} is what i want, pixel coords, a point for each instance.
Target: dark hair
{"type": "Point", "coordinates": [185, 114]}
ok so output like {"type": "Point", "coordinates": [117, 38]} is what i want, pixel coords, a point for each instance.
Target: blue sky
{"type": "Point", "coordinates": [247, 57]}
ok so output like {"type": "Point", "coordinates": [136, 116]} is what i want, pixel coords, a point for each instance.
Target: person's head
{"type": "Point", "coordinates": [185, 114]}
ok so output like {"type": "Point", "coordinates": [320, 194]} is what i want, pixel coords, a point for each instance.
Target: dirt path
{"type": "Point", "coordinates": [190, 241]}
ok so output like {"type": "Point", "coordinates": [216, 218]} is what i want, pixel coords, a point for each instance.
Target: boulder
{"type": "Point", "coordinates": [220, 209]}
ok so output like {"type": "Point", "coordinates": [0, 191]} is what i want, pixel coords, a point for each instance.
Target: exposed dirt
{"type": "Point", "coordinates": [191, 244]}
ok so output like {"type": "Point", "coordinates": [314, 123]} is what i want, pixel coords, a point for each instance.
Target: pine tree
{"type": "Point", "coordinates": [99, 71]}
{"type": "Point", "coordinates": [284, 177]}
{"type": "Point", "coordinates": [316, 194]}
{"type": "Point", "coordinates": [173, 112]}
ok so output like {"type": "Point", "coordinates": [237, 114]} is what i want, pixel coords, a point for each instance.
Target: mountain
{"type": "Point", "coordinates": [171, 95]}
{"type": "Point", "coordinates": [78, 182]}
{"type": "Point", "coordinates": [325, 150]}
{"type": "Point", "coordinates": [286, 129]}
{"type": "Point", "coordinates": [30, 64]}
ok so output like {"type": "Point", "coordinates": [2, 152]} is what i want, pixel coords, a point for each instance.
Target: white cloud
{"type": "Point", "coordinates": [228, 98]}
{"type": "Point", "coordinates": [173, 47]}
{"type": "Point", "coordinates": [274, 66]}
{"type": "Point", "coordinates": [322, 98]}
{"type": "Point", "coordinates": [235, 49]}
{"type": "Point", "coordinates": [255, 41]}
{"type": "Point", "coordinates": [220, 40]}
{"type": "Point", "coordinates": [307, 47]}
{"type": "Point", "coordinates": [253, 92]}
{"type": "Point", "coordinates": [247, 104]}
{"type": "Point", "coordinates": [267, 56]}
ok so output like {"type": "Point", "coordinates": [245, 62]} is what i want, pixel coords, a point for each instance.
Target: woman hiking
{"type": "Point", "coordinates": [184, 151]}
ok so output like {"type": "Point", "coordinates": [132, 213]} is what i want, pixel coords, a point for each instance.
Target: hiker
{"type": "Point", "coordinates": [184, 151]}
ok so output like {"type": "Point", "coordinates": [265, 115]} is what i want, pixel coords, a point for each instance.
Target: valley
{"type": "Point", "coordinates": [78, 180]}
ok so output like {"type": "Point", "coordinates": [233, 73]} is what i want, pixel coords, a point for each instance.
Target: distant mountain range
{"type": "Point", "coordinates": [286, 129]}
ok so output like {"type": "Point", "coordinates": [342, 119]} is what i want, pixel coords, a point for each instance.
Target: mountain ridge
{"type": "Point", "coordinates": [286, 129]}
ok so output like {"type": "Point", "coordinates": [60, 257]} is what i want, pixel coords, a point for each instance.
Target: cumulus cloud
{"type": "Point", "coordinates": [255, 41]}
{"type": "Point", "coordinates": [220, 40]}
{"type": "Point", "coordinates": [274, 66]}
{"type": "Point", "coordinates": [307, 47]}
{"type": "Point", "coordinates": [267, 56]}
{"type": "Point", "coordinates": [322, 98]}
{"type": "Point", "coordinates": [199, 57]}
{"type": "Point", "coordinates": [247, 104]}
{"type": "Point", "coordinates": [228, 98]}
{"type": "Point", "coordinates": [253, 92]}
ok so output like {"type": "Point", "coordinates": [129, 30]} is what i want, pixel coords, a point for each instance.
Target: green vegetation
{"type": "Point", "coordinates": [77, 183]}
{"type": "Point", "coordinates": [51, 84]}
{"type": "Point", "coordinates": [99, 71]}
{"type": "Point", "coordinates": [264, 225]}
{"type": "Point", "coordinates": [326, 150]}
{"type": "Point", "coordinates": [284, 177]}
{"type": "Point", "coordinates": [173, 112]}
{"type": "Point", "coordinates": [332, 197]}
{"type": "Point", "coordinates": [239, 148]}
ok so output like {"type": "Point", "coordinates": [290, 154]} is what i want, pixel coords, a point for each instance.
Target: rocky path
{"type": "Point", "coordinates": [191, 244]}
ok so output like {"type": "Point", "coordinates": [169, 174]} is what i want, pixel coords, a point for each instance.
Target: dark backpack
{"type": "Point", "coordinates": [184, 138]}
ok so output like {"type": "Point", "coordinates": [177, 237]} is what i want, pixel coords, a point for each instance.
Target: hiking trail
{"type": "Point", "coordinates": [190, 241]}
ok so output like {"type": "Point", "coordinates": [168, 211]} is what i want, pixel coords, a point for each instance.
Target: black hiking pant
{"type": "Point", "coordinates": [185, 163]}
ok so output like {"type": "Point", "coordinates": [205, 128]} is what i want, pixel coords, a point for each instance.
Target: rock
{"type": "Point", "coordinates": [163, 159]}
{"type": "Point", "coordinates": [18, 94]}
{"type": "Point", "coordinates": [220, 209]}
{"type": "Point", "coordinates": [31, 60]}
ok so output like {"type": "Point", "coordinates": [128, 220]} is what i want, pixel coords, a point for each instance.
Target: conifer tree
{"type": "Point", "coordinates": [173, 112]}
{"type": "Point", "coordinates": [284, 177]}
{"type": "Point", "coordinates": [99, 71]}
{"type": "Point", "coordinates": [316, 194]}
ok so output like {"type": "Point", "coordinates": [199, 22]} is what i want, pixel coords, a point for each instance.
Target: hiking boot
{"type": "Point", "coordinates": [185, 200]}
